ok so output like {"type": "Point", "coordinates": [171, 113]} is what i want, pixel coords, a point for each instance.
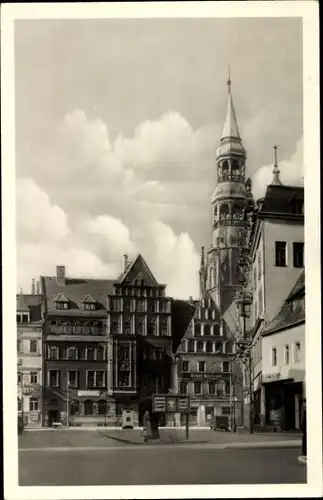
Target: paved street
{"type": "Point", "coordinates": [86, 458]}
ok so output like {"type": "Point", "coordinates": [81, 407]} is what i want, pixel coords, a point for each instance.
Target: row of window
{"type": "Point", "coordinates": [77, 353]}
{"type": "Point", "coordinates": [139, 292]}
{"type": "Point", "coordinates": [212, 388]}
{"type": "Point", "coordinates": [93, 378]}
{"type": "Point", "coordinates": [225, 366]}
{"type": "Point", "coordinates": [33, 377]}
{"type": "Point", "coordinates": [209, 347]}
{"type": "Point", "coordinates": [33, 404]}
{"type": "Point", "coordinates": [287, 357]}
{"type": "Point", "coordinates": [281, 254]}
{"type": "Point", "coordinates": [206, 329]}
{"type": "Point", "coordinates": [140, 326]}
{"type": "Point", "coordinates": [22, 317]}
{"type": "Point", "coordinates": [140, 305]}
{"type": "Point", "coordinates": [32, 347]}
{"type": "Point", "coordinates": [80, 328]}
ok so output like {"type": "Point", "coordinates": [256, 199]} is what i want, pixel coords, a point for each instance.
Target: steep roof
{"type": "Point", "coordinates": [230, 139]}
{"type": "Point", "coordinates": [182, 315]}
{"type": "Point", "coordinates": [288, 315]}
{"type": "Point", "coordinates": [29, 303]}
{"type": "Point", "coordinates": [138, 269]}
{"type": "Point", "coordinates": [188, 314]}
{"type": "Point", "coordinates": [230, 128]}
{"type": "Point", "coordinates": [75, 290]}
{"type": "Point", "coordinates": [281, 199]}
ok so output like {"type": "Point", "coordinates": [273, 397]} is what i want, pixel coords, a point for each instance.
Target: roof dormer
{"type": "Point", "coordinates": [89, 304]}
{"type": "Point", "coordinates": [61, 302]}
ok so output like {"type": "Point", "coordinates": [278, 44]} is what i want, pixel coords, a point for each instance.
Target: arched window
{"type": "Point", "coordinates": [225, 171]}
{"type": "Point", "coordinates": [88, 407]}
{"type": "Point", "coordinates": [102, 407]}
{"type": "Point", "coordinates": [235, 169]}
{"type": "Point", "coordinates": [215, 212]}
{"type": "Point", "coordinates": [206, 329]}
{"type": "Point", "coordinates": [236, 212]}
{"type": "Point", "coordinates": [224, 212]}
{"type": "Point", "coordinates": [209, 347]}
{"type": "Point", "coordinates": [75, 408]}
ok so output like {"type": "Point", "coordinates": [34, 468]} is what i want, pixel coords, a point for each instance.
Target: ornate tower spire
{"type": "Point", "coordinates": [276, 172]}
{"type": "Point", "coordinates": [230, 129]}
{"type": "Point", "coordinates": [228, 203]}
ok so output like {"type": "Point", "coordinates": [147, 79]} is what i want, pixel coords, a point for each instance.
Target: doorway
{"type": "Point", "coordinates": [53, 416]}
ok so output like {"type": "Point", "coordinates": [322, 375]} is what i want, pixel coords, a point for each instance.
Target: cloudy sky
{"type": "Point", "coordinates": [117, 122]}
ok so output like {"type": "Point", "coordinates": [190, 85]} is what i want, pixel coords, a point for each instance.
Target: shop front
{"type": "Point", "coordinates": [283, 399]}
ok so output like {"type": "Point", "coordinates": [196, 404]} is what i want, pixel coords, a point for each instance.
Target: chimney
{"type": "Point", "coordinates": [60, 275]}
{"type": "Point", "coordinates": [190, 299]}
{"type": "Point", "coordinates": [33, 289]}
{"type": "Point", "coordinates": [38, 288]}
{"type": "Point", "coordinates": [125, 262]}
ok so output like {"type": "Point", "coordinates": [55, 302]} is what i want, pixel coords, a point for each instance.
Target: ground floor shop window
{"type": "Point", "coordinates": [88, 407]}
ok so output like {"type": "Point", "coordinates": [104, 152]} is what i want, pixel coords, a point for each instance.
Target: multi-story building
{"type": "Point", "coordinates": [205, 365]}
{"type": "Point", "coordinates": [29, 357]}
{"type": "Point", "coordinates": [107, 345]}
{"type": "Point", "coordinates": [283, 361]}
{"type": "Point", "coordinates": [272, 261]}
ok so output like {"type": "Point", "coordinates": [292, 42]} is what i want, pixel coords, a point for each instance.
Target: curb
{"type": "Point", "coordinates": [154, 441]}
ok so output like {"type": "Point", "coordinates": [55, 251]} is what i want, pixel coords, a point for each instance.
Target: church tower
{"type": "Point", "coordinates": [222, 271]}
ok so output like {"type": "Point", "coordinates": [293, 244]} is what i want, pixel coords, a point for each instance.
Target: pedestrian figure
{"type": "Point", "coordinates": [303, 457]}
{"type": "Point", "coordinates": [146, 426]}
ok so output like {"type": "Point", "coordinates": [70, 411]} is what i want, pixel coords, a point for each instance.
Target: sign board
{"type": "Point", "coordinates": [183, 404]}
{"type": "Point", "coordinates": [159, 404]}
{"type": "Point", "coordinates": [88, 393]}
{"type": "Point", "coordinates": [171, 403]}
{"type": "Point", "coordinates": [34, 416]}
{"type": "Point", "coordinates": [270, 377]}
{"type": "Point", "coordinates": [202, 376]}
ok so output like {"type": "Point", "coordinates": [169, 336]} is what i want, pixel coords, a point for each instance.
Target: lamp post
{"type": "Point", "coordinates": [67, 402]}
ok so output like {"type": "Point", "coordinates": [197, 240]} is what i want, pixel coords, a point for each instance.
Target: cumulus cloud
{"type": "Point", "coordinates": [291, 172]}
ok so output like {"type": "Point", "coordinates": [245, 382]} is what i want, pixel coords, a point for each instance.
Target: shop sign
{"type": "Point", "coordinates": [159, 404]}
{"type": "Point", "coordinates": [202, 376]}
{"type": "Point", "coordinates": [88, 393]}
{"type": "Point", "coordinates": [270, 377]}
{"type": "Point", "coordinates": [34, 416]}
